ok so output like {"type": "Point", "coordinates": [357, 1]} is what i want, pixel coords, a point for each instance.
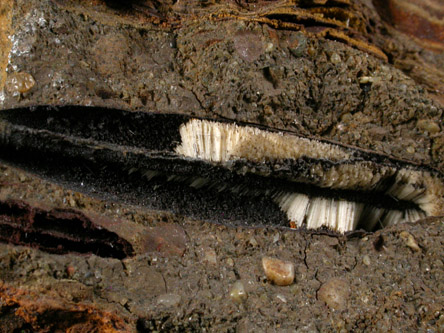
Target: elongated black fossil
{"type": "Point", "coordinates": [58, 231]}
{"type": "Point", "coordinates": [218, 170]}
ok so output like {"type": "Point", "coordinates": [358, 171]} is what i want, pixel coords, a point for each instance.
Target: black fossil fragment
{"type": "Point", "coordinates": [58, 231]}
{"type": "Point", "coordinates": [238, 174]}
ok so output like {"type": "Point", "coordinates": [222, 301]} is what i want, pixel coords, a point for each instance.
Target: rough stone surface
{"type": "Point", "coordinates": [144, 290]}
{"type": "Point", "coordinates": [135, 58]}
{"type": "Point", "coordinates": [221, 69]}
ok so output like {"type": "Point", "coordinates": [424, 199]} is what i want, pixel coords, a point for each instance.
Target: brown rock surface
{"type": "Point", "coordinates": [244, 61]}
{"type": "Point", "coordinates": [399, 283]}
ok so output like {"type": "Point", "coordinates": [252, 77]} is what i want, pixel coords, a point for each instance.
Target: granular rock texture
{"type": "Point", "coordinates": [364, 84]}
{"type": "Point", "coordinates": [183, 276]}
{"type": "Point", "coordinates": [231, 68]}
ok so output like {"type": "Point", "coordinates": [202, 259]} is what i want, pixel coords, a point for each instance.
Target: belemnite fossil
{"type": "Point", "coordinates": [220, 171]}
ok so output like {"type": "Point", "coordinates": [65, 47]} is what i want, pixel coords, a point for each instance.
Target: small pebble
{"type": "Point", "coordinates": [281, 298]}
{"type": "Point", "coordinates": [269, 47]}
{"type": "Point", "coordinates": [268, 110]}
{"type": "Point", "coordinates": [169, 300]}
{"type": "Point", "coordinates": [410, 241]}
{"type": "Point", "coordinates": [210, 256]}
{"type": "Point", "coordinates": [19, 83]}
{"type": "Point", "coordinates": [366, 260]}
{"type": "Point", "coordinates": [365, 79]}
{"type": "Point", "coordinates": [237, 292]}
{"type": "Point", "coordinates": [278, 271]}
{"type": "Point", "coordinates": [252, 241]}
{"type": "Point", "coordinates": [72, 202]}
{"type": "Point", "coordinates": [335, 58]}
{"type": "Point", "coordinates": [335, 293]}
{"type": "Point", "coordinates": [298, 43]}
{"type": "Point", "coordinates": [410, 150]}
{"type": "Point", "coordinates": [276, 238]}
{"type": "Point", "coordinates": [427, 125]}
{"type": "Point", "coordinates": [248, 45]}
{"type": "Point", "coordinates": [369, 79]}
{"type": "Point", "coordinates": [70, 270]}
{"type": "Point", "coordinates": [438, 263]}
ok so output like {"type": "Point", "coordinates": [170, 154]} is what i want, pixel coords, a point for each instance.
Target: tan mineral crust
{"type": "Point", "coordinates": [338, 70]}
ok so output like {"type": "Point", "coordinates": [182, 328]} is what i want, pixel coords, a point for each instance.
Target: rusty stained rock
{"type": "Point", "coordinates": [5, 42]}
{"type": "Point", "coordinates": [411, 31]}
{"type": "Point", "coordinates": [337, 20]}
{"type": "Point", "coordinates": [32, 309]}
{"type": "Point", "coordinates": [420, 19]}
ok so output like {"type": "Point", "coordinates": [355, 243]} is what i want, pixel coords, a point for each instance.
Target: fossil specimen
{"type": "Point", "coordinates": [228, 171]}
{"type": "Point", "coordinates": [285, 81]}
{"type": "Point", "coordinates": [151, 159]}
{"type": "Point", "coordinates": [58, 231]}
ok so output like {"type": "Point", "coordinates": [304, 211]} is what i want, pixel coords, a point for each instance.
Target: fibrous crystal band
{"type": "Point", "coordinates": [332, 167]}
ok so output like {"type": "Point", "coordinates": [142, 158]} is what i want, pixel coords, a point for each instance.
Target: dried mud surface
{"type": "Point", "coordinates": [183, 271]}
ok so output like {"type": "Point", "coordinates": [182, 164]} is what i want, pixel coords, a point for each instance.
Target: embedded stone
{"type": "Point", "coordinates": [19, 83]}
{"type": "Point", "coordinates": [410, 241]}
{"type": "Point", "coordinates": [335, 293]}
{"type": "Point", "coordinates": [278, 271]}
{"type": "Point", "coordinates": [237, 292]}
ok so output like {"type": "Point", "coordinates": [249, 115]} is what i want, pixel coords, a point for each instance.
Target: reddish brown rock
{"type": "Point", "coordinates": [248, 46]}
{"type": "Point", "coordinates": [166, 238]}
{"type": "Point", "coordinates": [420, 19]}
{"type": "Point", "coordinates": [29, 309]}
